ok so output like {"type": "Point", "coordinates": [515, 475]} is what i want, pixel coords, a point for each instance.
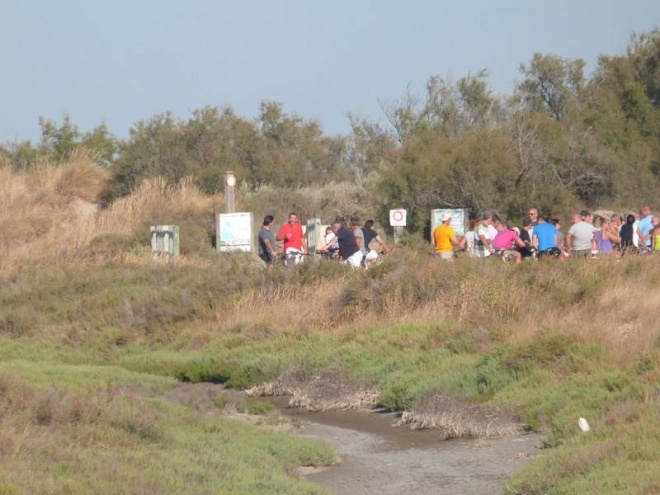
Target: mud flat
{"type": "Point", "coordinates": [378, 458]}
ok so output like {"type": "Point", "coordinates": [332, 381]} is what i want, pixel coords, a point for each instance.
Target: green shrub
{"type": "Point", "coordinates": [198, 370]}
{"type": "Point", "coordinates": [256, 407]}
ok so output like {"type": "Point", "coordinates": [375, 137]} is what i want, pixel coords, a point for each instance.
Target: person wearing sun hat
{"type": "Point", "coordinates": [444, 239]}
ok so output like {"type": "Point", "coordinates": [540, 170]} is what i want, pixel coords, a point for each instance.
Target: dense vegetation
{"type": "Point", "coordinates": [96, 336]}
{"type": "Point", "coordinates": [561, 139]}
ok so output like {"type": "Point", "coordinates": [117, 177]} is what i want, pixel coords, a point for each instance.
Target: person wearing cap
{"type": "Point", "coordinates": [444, 239]}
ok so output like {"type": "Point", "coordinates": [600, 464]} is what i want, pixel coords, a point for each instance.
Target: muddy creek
{"type": "Point", "coordinates": [378, 458]}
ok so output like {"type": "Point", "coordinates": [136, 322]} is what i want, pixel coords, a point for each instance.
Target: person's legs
{"type": "Point", "coordinates": [293, 256]}
{"type": "Point", "coordinates": [581, 253]}
{"type": "Point", "coordinates": [371, 255]}
{"type": "Point", "coordinates": [355, 260]}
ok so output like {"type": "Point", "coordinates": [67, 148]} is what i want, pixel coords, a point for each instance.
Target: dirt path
{"type": "Point", "coordinates": [380, 459]}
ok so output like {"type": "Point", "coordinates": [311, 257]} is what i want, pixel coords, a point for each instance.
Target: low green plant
{"type": "Point", "coordinates": [256, 407]}
{"type": "Point", "coordinates": [105, 439]}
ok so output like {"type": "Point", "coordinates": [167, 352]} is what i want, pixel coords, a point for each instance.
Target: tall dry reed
{"type": "Point", "coordinates": [50, 209]}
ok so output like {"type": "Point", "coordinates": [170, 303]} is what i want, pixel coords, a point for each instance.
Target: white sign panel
{"type": "Point", "coordinates": [459, 219]}
{"type": "Point", "coordinates": [398, 218]}
{"type": "Point", "coordinates": [235, 232]}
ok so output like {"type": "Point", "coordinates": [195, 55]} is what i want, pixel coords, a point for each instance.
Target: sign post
{"type": "Point", "coordinates": [398, 222]}
{"type": "Point", "coordinates": [230, 192]}
{"type": "Point", "coordinates": [313, 234]}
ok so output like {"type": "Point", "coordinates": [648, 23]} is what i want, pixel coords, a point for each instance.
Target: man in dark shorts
{"type": "Point", "coordinates": [526, 236]}
{"type": "Point", "coordinates": [544, 238]}
{"type": "Point", "coordinates": [267, 241]}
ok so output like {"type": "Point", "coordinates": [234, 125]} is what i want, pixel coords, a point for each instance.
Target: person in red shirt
{"type": "Point", "coordinates": [295, 245]}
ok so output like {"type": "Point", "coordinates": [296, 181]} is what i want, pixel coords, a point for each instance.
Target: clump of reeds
{"type": "Point", "coordinates": [328, 389]}
{"type": "Point", "coordinates": [456, 418]}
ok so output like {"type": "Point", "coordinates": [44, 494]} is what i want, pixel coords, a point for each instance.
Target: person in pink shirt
{"type": "Point", "coordinates": [506, 241]}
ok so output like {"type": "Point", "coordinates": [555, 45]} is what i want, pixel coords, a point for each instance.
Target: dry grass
{"type": "Point", "coordinates": [298, 307]}
{"type": "Point", "coordinates": [329, 389]}
{"type": "Point", "coordinates": [49, 212]}
{"type": "Point", "coordinates": [455, 418]}
{"type": "Point", "coordinates": [152, 198]}
{"type": "Point", "coordinates": [599, 303]}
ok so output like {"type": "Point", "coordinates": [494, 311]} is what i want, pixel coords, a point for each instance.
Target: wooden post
{"type": "Point", "coordinates": [398, 232]}
{"type": "Point", "coordinates": [230, 196]}
{"type": "Point", "coordinates": [313, 234]}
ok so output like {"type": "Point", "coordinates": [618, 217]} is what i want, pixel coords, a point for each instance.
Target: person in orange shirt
{"type": "Point", "coordinates": [444, 239]}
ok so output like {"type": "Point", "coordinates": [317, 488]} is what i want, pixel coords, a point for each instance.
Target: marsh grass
{"type": "Point", "coordinates": [111, 438]}
{"type": "Point", "coordinates": [620, 457]}
{"type": "Point", "coordinates": [95, 315]}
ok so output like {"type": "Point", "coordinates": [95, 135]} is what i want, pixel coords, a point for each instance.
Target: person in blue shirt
{"type": "Point", "coordinates": [544, 238]}
{"type": "Point", "coordinates": [644, 228]}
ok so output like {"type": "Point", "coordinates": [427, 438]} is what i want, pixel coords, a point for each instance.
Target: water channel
{"type": "Point", "coordinates": [378, 458]}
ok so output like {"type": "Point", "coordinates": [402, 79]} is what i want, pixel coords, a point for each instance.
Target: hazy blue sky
{"type": "Point", "coordinates": [122, 61]}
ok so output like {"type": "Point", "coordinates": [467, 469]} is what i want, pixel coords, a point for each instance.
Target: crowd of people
{"type": "Point", "coordinates": [538, 236]}
{"type": "Point", "coordinates": [354, 246]}
{"type": "Point", "coordinates": [588, 236]}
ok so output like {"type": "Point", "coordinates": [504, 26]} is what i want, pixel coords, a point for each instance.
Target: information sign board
{"type": "Point", "coordinates": [235, 232]}
{"type": "Point", "coordinates": [459, 219]}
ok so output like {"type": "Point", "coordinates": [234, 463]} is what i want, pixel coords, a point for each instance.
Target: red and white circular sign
{"type": "Point", "coordinates": [398, 218]}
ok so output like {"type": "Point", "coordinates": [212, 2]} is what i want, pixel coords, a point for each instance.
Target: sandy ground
{"type": "Point", "coordinates": [378, 458]}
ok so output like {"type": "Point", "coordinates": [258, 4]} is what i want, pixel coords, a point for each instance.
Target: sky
{"type": "Point", "coordinates": [119, 62]}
